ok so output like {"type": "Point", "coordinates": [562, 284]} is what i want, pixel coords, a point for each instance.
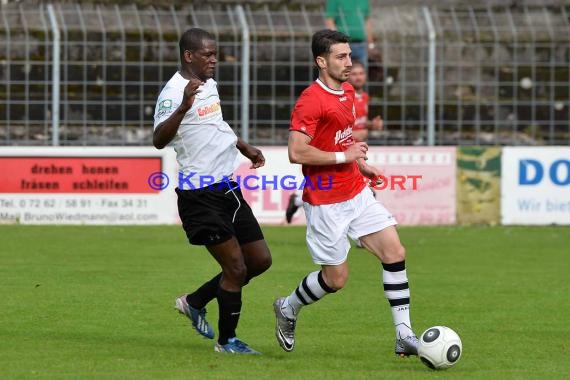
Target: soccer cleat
{"type": "Point", "coordinates": [235, 346]}
{"type": "Point", "coordinates": [197, 316]}
{"type": "Point", "coordinates": [284, 327]}
{"type": "Point", "coordinates": [291, 208]}
{"type": "Point", "coordinates": [407, 346]}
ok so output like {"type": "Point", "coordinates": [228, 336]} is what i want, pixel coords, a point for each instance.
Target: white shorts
{"type": "Point", "coordinates": [329, 226]}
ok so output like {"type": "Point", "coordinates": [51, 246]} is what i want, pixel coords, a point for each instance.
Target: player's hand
{"type": "Point", "coordinates": [190, 92]}
{"type": "Point", "coordinates": [356, 151]}
{"type": "Point", "coordinates": [377, 123]}
{"type": "Point", "coordinates": [371, 172]}
{"type": "Point", "coordinates": [255, 156]}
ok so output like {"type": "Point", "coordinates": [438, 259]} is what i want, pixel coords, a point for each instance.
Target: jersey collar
{"type": "Point", "coordinates": [328, 89]}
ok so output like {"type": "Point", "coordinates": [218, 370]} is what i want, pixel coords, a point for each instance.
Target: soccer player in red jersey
{"type": "Point", "coordinates": [360, 129]}
{"type": "Point", "coordinates": [336, 201]}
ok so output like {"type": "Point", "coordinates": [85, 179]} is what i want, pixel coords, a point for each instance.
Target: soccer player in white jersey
{"type": "Point", "coordinates": [188, 117]}
{"type": "Point", "coordinates": [339, 205]}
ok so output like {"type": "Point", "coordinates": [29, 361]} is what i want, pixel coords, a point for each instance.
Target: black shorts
{"type": "Point", "coordinates": [216, 213]}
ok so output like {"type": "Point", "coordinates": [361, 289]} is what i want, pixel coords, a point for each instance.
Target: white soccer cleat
{"type": "Point", "coordinates": [284, 327]}
{"type": "Point", "coordinates": [407, 346]}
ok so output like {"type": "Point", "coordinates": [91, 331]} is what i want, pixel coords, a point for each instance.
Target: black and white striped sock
{"type": "Point", "coordinates": [397, 292]}
{"type": "Point", "coordinates": [310, 290]}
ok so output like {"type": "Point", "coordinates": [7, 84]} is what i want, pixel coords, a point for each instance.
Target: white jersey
{"type": "Point", "coordinates": [205, 144]}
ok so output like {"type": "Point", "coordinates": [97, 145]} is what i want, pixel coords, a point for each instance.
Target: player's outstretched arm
{"type": "Point", "coordinates": [300, 152]}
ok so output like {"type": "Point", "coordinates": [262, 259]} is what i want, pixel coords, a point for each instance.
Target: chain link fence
{"type": "Point", "coordinates": [502, 71]}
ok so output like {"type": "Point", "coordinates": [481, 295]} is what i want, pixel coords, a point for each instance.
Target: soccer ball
{"type": "Point", "coordinates": [440, 347]}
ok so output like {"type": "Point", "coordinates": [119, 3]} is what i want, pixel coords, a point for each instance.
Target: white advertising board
{"type": "Point", "coordinates": [86, 185]}
{"type": "Point", "coordinates": [535, 185]}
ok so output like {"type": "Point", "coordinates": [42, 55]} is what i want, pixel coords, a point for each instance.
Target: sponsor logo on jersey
{"type": "Point", "coordinates": [342, 136]}
{"type": "Point", "coordinates": [343, 99]}
{"type": "Point", "coordinates": [164, 107]}
{"type": "Point", "coordinates": [209, 111]}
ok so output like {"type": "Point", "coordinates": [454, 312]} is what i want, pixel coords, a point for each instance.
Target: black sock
{"type": "Point", "coordinates": [230, 308]}
{"type": "Point", "coordinates": [205, 293]}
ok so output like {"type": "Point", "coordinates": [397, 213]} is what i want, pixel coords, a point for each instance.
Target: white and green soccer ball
{"type": "Point", "coordinates": [440, 347]}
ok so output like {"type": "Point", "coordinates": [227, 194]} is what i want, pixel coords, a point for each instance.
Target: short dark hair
{"type": "Point", "coordinates": [324, 39]}
{"type": "Point", "coordinates": [192, 39]}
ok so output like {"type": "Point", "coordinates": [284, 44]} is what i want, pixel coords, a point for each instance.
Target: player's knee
{"type": "Point", "coordinates": [396, 254]}
{"type": "Point", "coordinates": [236, 273]}
{"type": "Point", "coordinates": [265, 263]}
{"type": "Point", "coordinates": [259, 265]}
{"type": "Point", "coordinates": [338, 281]}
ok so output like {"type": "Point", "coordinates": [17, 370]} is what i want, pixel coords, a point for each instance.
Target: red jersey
{"type": "Point", "coordinates": [327, 116]}
{"type": "Point", "coordinates": [361, 109]}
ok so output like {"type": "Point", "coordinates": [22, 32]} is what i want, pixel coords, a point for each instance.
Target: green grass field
{"type": "Point", "coordinates": [97, 303]}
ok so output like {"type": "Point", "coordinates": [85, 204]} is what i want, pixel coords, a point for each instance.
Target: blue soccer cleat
{"type": "Point", "coordinates": [235, 346]}
{"type": "Point", "coordinates": [197, 316]}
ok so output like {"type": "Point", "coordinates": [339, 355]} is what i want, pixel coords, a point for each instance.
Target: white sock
{"type": "Point", "coordinates": [397, 292]}
{"type": "Point", "coordinates": [309, 291]}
